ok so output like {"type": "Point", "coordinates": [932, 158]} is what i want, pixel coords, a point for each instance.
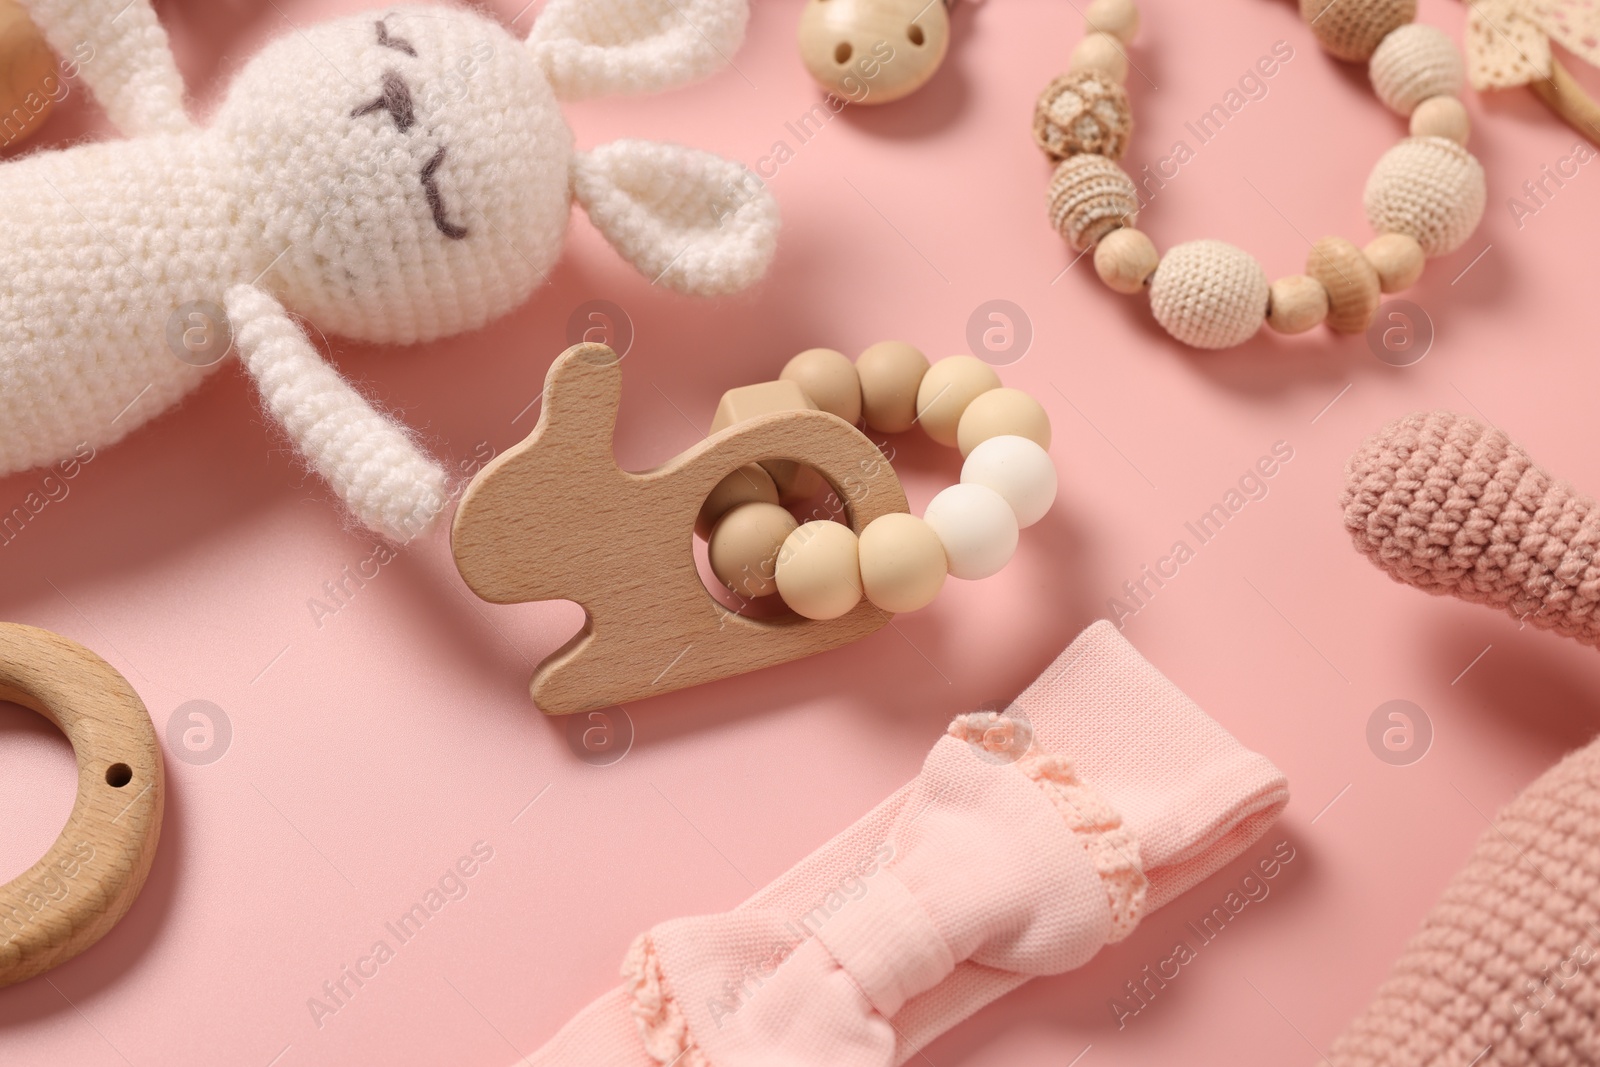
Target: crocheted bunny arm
{"type": "Point", "coordinates": [385, 480]}
{"type": "Point", "coordinates": [121, 52]}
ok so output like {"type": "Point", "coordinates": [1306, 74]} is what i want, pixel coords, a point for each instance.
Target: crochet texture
{"type": "Point", "coordinates": [1209, 294]}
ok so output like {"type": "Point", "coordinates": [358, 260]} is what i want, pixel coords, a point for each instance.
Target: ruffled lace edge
{"type": "Point", "coordinates": [662, 1027]}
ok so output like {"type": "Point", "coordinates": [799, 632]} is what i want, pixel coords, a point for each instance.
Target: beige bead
{"type": "Point", "coordinates": [890, 372]}
{"type": "Point", "coordinates": [744, 547]}
{"type": "Point", "coordinates": [1351, 282]}
{"type": "Point", "coordinates": [819, 570]}
{"type": "Point", "coordinates": [873, 51]}
{"type": "Point", "coordinates": [1089, 196]}
{"type": "Point", "coordinates": [1429, 188]}
{"type": "Point", "coordinates": [902, 562]}
{"type": "Point", "coordinates": [946, 390]}
{"type": "Point", "coordinates": [829, 379]}
{"type": "Point", "coordinates": [1398, 259]}
{"type": "Point", "coordinates": [1441, 116]}
{"type": "Point", "coordinates": [750, 484]}
{"type": "Point", "coordinates": [1125, 258]}
{"type": "Point", "coordinates": [795, 481]}
{"type": "Point", "coordinates": [1413, 63]}
{"type": "Point", "coordinates": [1100, 53]}
{"type": "Point", "coordinates": [1000, 412]}
{"type": "Point", "coordinates": [29, 80]}
{"type": "Point", "coordinates": [1352, 29]}
{"type": "Point", "coordinates": [1083, 111]}
{"type": "Point", "coordinates": [1209, 294]}
{"type": "Point", "coordinates": [1296, 304]}
{"type": "Point", "coordinates": [1119, 18]}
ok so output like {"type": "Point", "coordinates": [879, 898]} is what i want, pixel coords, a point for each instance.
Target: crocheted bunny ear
{"type": "Point", "coordinates": [596, 47]}
{"type": "Point", "coordinates": [687, 219]}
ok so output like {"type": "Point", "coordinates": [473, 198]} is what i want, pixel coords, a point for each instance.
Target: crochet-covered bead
{"type": "Point", "coordinates": [890, 372]}
{"type": "Point", "coordinates": [1429, 188]}
{"type": "Point", "coordinates": [1100, 53]}
{"type": "Point", "coordinates": [946, 390]}
{"type": "Point", "coordinates": [819, 570]}
{"type": "Point", "coordinates": [1398, 259]}
{"type": "Point", "coordinates": [749, 484]}
{"type": "Point", "coordinates": [902, 562]}
{"type": "Point", "coordinates": [977, 528]}
{"type": "Point", "coordinates": [1351, 282]}
{"type": "Point", "coordinates": [1090, 196]}
{"type": "Point", "coordinates": [1209, 294]}
{"type": "Point", "coordinates": [1083, 111]}
{"type": "Point", "coordinates": [1125, 258]}
{"type": "Point", "coordinates": [1353, 29]}
{"type": "Point", "coordinates": [1413, 63]}
{"type": "Point", "coordinates": [1019, 470]}
{"type": "Point", "coordinates": [1119, 18]}
{"type": "Point", "coordinates": [1296, 304]}
{"type": "Point", "coordinates": [999, 412]}
{"type": "Point", "coordinates": [829, 379]}
{"type": "Point", "coordinates": [743, 549]}
{"type": "Point", "coordinates": [1441, 116]}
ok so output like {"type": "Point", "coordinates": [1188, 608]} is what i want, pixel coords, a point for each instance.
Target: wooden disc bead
{"type": "Point", "coordinates": [743, 549]}
{"type": "Point", "coordinates": [750, 484]}
{"type": "Point", "coordinates": [1398, 259]}
{"type": "Point", "coordinates": [1413, 63]}
{"type": "Point", "coordinates": [949, 386]}
{"type": "Point", "coordinates": [1119, 18]}
{"type": "Point", "coordinates": [1083, 111]}
{"type": "Point", "coordinates": [1441, 116]}
{"type": "Point", "coordinates": [819, 570]}
{"type": "Point", "coordinates": [1351, 282]}
{"type": "Point", "coordinates": [890, 373]}
{"type": "Point", "coordinates": [1125, 258]}
{"type": "Point", "coordinates": [829, 379]}
{"type": "Point", "coordinates": [1429, 188]}
{"type": "Point", "coordinates": [1353, 29]}
{"type": "Point", "coordinates": [873, 51]}
{"type": "Point", "coordinates": [1297, 303]}
{"type": "Point", "coordinates": [1000, 412]}
{"type": "Point", "coordinates": [1209, 294]}
{"type": "Point", "coordinates": [1089, 196]}
{"type": "Point", "coordinates": [1100, 53]}
{"type": "Point", "coordinates": [29, 80]}
{"type": "Point", "coordinates": [902, 562]}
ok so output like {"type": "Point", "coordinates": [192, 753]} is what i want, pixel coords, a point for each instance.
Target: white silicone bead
{"type": "Point", "coordinates": [1019, 470]}
{"type": "Point", "coordinates": [977, 528]}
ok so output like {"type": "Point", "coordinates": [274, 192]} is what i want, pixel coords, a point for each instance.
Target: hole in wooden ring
{"type": "Point", "coordinates": [118, 775]}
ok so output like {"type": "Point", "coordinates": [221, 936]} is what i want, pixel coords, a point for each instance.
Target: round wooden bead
{"type": "Point", "coordinates": [873, 51]}
{"type": "Point", "coordinates": [29, 81]}
{"type": "Point", "coordinates": [1019, 470]}
{"type": "Point", "coordinates": [1351, 282]}
{"type": "Point", "coordinates": [1119, 18]}
{"type": "Point", "coordinates": [1352, 29]}
{"type": "Point", "coordinates": [1100, 53]}
{"type": "Point", "coordinates": [1413, 63]}
{"type": "Point", "coordinates": [902, 562]}
{"type": "Point", "coordinates": [946, 390]}
{"type": "Point", "coordinates": [819, 570]}
{"type": "Point", "coordinates": [1398, 259]}
{"type": "Point", "coordinates": [1209, 294]}
{"type": "Point", "coordinates": [1090, 196]}
{"type": "Point", "coordinates": [1296, 304]}
{"type": "Point", "coordinates": [829, 379]}
{"type": "Point", "coordinates": [1083, 111]}
{"type": "Point", "coordinates": [1429, 188]}
{"type": "Point", "coordinates": [977, 528]}
{"type": "Point", "coordinates": [1125, 258]}
{"type": "Point", "coordinates": [1000, 412]}
{"type": "Point", "coordinates": [1441, 116]}
{"type": "Point", "coordinates": [744, 547]}
{"type": "Point", "coordinates": [890, 373]}
{"type": "Point", "coordinates": [750, 484]}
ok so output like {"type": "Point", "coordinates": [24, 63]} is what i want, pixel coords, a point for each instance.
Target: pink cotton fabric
{"type": "Point", "coordinates": [975, 883]}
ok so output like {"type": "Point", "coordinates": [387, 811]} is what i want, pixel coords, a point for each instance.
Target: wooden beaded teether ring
{"type": "Point", "coordinates": [874, 51]}
{"type": "Point", "coordinates": [87, 881]}
{"type": "Point", "coordinates": [1424, 197]}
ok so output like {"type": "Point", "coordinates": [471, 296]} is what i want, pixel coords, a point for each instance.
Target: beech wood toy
{"type": "Point", "coordinates": [874, 51]}
{"type": "Point", "coordinates": [29, 83]}
{"type": "Point", "coordinates": [91, 875]}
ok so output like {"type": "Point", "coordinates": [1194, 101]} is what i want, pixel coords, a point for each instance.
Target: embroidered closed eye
{"type": "Point", "coordinates": [430, 186]}
{"type": "Point", "coordinates": [399, 44]}
{"type": "Point", "coordinates": [395, 99]}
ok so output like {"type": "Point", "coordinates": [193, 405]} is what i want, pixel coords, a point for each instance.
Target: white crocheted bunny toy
{"type": "Point", "coordinates": [395, 176]}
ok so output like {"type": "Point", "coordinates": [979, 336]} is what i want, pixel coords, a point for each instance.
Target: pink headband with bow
{"type": "Point", "coordinates": [1029, 840]}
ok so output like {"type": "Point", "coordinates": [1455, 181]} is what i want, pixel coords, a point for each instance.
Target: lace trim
{"type": "Point", "coordinates": [662, 1027]}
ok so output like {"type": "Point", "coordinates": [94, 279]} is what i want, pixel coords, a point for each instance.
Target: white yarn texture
{"type": "Point", "coordinates": [1209, 294]}
{"type": "Point", "coordinates": [1413, 63]}
{"type": "Point", "coordinates": [1429, 188]}
{"type": "Point", "coordinates": [394, 176]}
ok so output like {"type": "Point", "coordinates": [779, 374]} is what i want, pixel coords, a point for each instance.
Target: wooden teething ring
{"type": "Point", "coordinates": [86, 882]}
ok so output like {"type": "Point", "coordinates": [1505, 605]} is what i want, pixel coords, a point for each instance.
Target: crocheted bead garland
{"type": "Point", "coordinates": [820, 568]}
{"type": "Point", "coordinates": [1424, 197]}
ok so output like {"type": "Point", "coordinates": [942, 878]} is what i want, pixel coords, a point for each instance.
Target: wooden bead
{"type": "Point", "coordinates": [1296, 304]}
{"type": "Point", "coordinates": [750, 484]}
{"type": "Point", "coordinates": [1119, 18]}
{"type": "Point", "coordinates": [999, 412]}
{"type": "Point", "coordinates": [1429, 188]}
{"type": "Point", "coordinates": [902, 562]}
{"type": "Point", "coordinates": [795, 481]}
{"type": "Point", "coordinates": [1209, 294]}
{"type": "Point", "coordinates": [1090, 196]}
{"type": "Point", "coordinates": [744, 547]}
{"type": "Point", "coordinates": [1413, 63]}
{"type": "Point", "coordinates": [819, 570]}
{"type": "Point", "coordinates": [873, 51]}
{"type": "Point", "coordinates": [977, 528]}
{"type": "Point", "coordinates": [1100, 53]}
{"type": "Point", "coordinates": [890, 373]}
{"type": "Point", "coordinates": [829, 379]}
{"type": "Point", "coordinates": [1352, 29]}
{"type": "Point", "coordinates": [1019, 470]}
{"type": "Point", "coordinates": [946, 390]}
{"type": "Point", "coordinates": [1398, 259]}
{"type": "Point", "coordinates": [29, 80]}
{"type": "Point", "coordinates": [1351, 282]}
{"type": "Point", "coordinates": [1441, 116]}
{"type": "Point", "coordinates": [1125, 258]}
{"type": "Point", "coordinates": [1083, 111]}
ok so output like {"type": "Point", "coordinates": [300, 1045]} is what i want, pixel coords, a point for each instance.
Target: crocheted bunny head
{"type": "Point", "coordinates": [411, 167]}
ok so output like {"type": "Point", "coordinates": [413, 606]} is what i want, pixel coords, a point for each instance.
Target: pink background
{"type": "Point", "coordinates": [372, 751]}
